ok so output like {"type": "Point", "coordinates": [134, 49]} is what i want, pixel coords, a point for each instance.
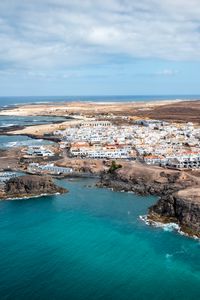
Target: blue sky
{"type": "Point", "coordinates": [93, 47]}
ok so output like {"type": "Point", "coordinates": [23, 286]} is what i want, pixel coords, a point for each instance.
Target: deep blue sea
{"type": "Point", "coordinates": [90, 244]}
{"type": "Point", "coordinates": [6, 101]}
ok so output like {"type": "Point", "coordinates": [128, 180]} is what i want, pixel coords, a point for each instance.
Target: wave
{"type": "Point", "coordinates": [23, 143]}
{"type": "Point", "coordinates": [7, 125]}
{"type": "Point", "coordinates": [165, 226]}
{"type": "Point", "coordinates": [31, 197]}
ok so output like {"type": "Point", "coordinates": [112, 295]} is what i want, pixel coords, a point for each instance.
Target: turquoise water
{"type": "Point", "coordinates": [90, 244]}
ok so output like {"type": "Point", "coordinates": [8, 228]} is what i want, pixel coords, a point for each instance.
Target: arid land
{"type": "Point", "coordinates": [127, 112]}
{"type": "Point", "coordinates": [177, 111]}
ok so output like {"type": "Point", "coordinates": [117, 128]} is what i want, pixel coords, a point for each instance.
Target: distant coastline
{"type": "Point", "coordinates": [7, 101]}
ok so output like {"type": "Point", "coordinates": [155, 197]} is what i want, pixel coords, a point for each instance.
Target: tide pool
{"type": "Point", "coordinates": [91, 244]}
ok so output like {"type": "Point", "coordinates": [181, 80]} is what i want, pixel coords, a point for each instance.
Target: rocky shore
{"type": "Point", "coordinates": [30, 186]}
{"type": "Point", "coordinates": [179, 193]}
{"type": "Point", "coordinates": [147, 180]}
{"type": "Point", "coordinates": [182, 208]}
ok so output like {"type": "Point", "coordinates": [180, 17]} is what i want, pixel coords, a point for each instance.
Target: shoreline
{"type": "Point", "coordinates": [29, 197]}
{"type": "Point", "coordinates": [179, 111]}
{"type": "Point", "coordinates": [154, 98]}
{"type": "Point", "coordinates": [77, 112]}
{"type": "Point", "coordinates": [29, 186]}
{"type": "Point", "coordinates": [170, 227]}
{"type": "Point", "coordinates": [177, 193]}
{"type": "Point", "coordinates": [8, 110]}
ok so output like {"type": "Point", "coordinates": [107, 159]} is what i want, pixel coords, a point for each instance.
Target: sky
{"type": "Point", "coordinates": [99, 47]}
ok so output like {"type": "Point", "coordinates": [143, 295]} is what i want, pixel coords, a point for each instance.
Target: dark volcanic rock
{"type": "Point", "coordinates": [7, 130]}
{"type": "Point", "coordinates": [145, 180]}
{"type": "Point", "coordinates": [180, 195]}
{"type": "Point", "coordinates": [182, 207]}
{"type": "Point", "coordinates": [31, 185]}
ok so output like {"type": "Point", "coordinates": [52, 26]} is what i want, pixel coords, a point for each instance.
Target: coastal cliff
{"type": "Point", "coordinates": [147, 180]}
{"type": "Point", "coordinates": [182, 208]}
{"type": "Point", "coordinates": [179, 193]}
{"type": "Point", "coordinates": [30, 186]}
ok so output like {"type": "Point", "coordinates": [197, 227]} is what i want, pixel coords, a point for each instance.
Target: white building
{"type": "Point", "coordinates": [39, 151]}
{"type": "Point", "coordinates": [50, 168]}
{"type": "Point", "coordinates": [103, 123]}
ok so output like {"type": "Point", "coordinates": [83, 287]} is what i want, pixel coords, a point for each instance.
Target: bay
{"type": "Point", "coordinates": [91, 244]}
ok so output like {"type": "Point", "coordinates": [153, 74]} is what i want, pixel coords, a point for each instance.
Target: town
{"type": "Point", "coordinates": [150, 141]}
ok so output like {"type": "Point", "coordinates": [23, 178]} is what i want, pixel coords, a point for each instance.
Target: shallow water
{"type": "Point", "coordinates": [8, 121]}
{"type": "Point", "coordinates": [91, 244]}
{"type": "Point", "coordinates": [20, 140]}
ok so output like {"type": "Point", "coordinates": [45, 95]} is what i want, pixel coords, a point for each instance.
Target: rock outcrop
{"type": "Point", "coordinates": [182, 208]}
{"type": "Point", "coordinates": [178, 190]}
{"type": "Point", "coordinates": [29, 186]}
{"type": "Point", "coordinates": [147, 180]}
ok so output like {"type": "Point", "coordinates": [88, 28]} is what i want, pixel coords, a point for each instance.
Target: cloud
{"type": "Point", "coordinates": [167, 72]}
{"type": "Point", "coordinates": [57, 34]}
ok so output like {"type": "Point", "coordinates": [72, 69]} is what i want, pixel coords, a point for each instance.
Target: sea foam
{"type": "Point", "coordinates": [166, 226]}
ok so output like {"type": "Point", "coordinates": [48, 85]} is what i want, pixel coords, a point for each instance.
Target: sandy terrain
{"type": "Point", "coordinates": [185, 111]}
{"type": "Point", "coordinates": [10, 158]}
{"type": "Point", "coordinates": [45, 128]}
{"type": "Point", "coordinates": [84, 165]}
{"type": "Point", "coordinates": [191, 194]}
{"type": "Point", "coordinates": [85, 108]}
{"type": "Point", "coordinates": [178, 111]}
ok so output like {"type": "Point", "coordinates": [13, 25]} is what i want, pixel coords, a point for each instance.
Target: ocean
{"type": "Point", "coordinates": [91, 244]}
{"type": "Point", "coordinates": [6, 101]}
{"type": "Point", "coordinates": [7, 121]}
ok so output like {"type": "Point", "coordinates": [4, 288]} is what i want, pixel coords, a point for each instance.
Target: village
{"type": "Point", "coordinates": [151, 142]}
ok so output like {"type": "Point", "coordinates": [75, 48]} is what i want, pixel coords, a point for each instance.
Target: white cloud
{"type": "Point", "coordinates": [61, 33]}
{"type": "Point", "coordinates": [167, 72]}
